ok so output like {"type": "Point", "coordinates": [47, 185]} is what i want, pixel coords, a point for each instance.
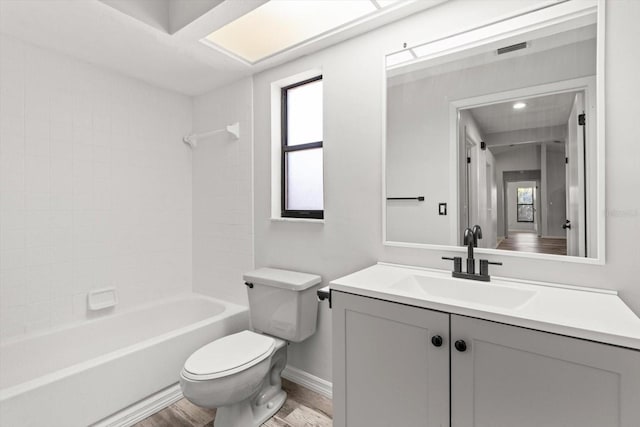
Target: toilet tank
{"type": "Point", "coordinates": [283, 303]}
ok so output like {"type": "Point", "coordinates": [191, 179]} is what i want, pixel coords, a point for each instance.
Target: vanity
{"type": "Point", "coordinates": [416, 347]}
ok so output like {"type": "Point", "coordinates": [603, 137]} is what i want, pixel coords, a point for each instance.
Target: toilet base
{"type": "Point", "coordinates": [248, 413]}
{"type": "Point", "coordinates": [264, 403]}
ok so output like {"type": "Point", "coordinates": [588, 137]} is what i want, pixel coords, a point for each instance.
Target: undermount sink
{"type": "Point", "coordinates": [461, 290]}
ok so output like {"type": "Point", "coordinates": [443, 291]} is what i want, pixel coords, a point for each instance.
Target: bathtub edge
{"type": "Point", "coordinates": [143, 409]}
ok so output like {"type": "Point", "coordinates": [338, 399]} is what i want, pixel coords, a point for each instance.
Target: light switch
{"type": "Point", "coordinates": [442, 208]}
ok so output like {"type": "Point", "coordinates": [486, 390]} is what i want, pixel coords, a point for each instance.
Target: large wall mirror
{"type": "Point", "coordinates": [501, 127]}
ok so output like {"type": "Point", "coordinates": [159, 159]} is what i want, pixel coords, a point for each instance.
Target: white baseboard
{"type": "Point", "coordinates": [143, 409]}
{"type": "Point", "coordinates": [309, 381]}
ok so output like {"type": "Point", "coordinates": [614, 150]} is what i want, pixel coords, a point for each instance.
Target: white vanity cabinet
{"type": "Point", "coordinates": [387, 372]}
{"type": "Point", "coordinates": [512, 376]}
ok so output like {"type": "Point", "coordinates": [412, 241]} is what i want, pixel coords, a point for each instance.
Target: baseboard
{"type": "Point", "coordinates": [143, 409]}
{"type": "Point", "coordinates": [309, 381]}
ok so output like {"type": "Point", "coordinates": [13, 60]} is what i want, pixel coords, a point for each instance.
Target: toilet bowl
{"type": "Point", "coordinates": [240, 375]}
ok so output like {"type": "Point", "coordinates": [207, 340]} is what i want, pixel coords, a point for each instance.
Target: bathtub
{"type": "Point", "coordinates": [84, 374]}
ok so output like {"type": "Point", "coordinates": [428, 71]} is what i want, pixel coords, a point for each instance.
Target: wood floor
{"type": "Point", "coordinates": [303, 408]}
{"type": "Point", "coordinates": [530, 242]}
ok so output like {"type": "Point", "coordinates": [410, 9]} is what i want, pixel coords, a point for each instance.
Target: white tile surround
{"type": "Point", "coordinates": [222, 193]}
{"type": "Point", "coordinates": [95, 188]}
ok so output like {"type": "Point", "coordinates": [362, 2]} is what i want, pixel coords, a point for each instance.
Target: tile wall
{"type": "Point", "coordinates": [95, 189]}
{"type": "Point", "coordinates": [222, 193]}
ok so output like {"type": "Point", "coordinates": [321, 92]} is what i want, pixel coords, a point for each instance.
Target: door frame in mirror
{"type": "Point", "coordinates": [505, 28]}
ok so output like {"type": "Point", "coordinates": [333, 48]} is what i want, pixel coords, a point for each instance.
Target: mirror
{"type": "Point", "coordinates": [499, 127]}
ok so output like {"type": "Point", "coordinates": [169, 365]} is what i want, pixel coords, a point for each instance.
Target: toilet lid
{"type": "Point", "coordinates": [229, 355]}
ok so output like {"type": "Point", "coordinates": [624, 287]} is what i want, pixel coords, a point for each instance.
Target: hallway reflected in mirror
{"type": "Point", "coordinates": [524, 174]}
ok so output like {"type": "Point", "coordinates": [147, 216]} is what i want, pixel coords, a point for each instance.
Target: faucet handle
{"type": "Point", "coordinates": [484, 266]}
{"type": "Point", "coordinates": [457, 263]}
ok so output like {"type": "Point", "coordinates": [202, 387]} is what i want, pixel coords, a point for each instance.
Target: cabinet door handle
{"type": "Point", "coordinates": [436, 340]}
{"type": "Point", "coordinates": [460, 345]}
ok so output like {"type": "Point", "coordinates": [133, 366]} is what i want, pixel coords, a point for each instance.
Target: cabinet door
{"type": "Point", "coordinates": [386, 370]}
{"type": "Point", "coordinates": [510, 376]}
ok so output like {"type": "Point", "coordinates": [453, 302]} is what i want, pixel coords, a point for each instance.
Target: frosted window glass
{"type": "Point", "coordinates": [304, 180]}
{"type": "Point", "coordinates": [304, 113]}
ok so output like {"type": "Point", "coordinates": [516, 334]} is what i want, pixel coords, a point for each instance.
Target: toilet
{"type": "Point", "coordinates": [239, 374]}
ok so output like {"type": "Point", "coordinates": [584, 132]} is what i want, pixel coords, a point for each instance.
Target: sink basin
{"type": "Point", "coordinates": [465, 291]}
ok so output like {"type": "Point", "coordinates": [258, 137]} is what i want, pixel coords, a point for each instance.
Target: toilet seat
{"type": "Point", "coordinates": [228, 355]}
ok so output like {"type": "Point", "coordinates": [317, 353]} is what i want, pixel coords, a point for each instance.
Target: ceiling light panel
{"type": "Point", "coordinates": [281, 24]}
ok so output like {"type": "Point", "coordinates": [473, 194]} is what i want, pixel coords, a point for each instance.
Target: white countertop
{"type": "Point", "coordinates": [592, 314]}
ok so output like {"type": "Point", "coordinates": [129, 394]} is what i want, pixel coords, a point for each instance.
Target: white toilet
{"type": "Point", "coordinates": [240, 374]}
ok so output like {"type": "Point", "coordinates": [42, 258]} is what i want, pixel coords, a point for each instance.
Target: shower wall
{"type": "Point", "coordinates": [222, 193]}
{"type": "Point", "coordinates": [95, 189]}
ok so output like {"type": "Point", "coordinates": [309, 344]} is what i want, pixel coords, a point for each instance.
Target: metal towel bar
{"type": "Point", "coordinates": [419, 198]}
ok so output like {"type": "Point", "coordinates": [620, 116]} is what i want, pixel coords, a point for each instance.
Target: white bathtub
{"type": "Point", "coordinates": [80, 375]}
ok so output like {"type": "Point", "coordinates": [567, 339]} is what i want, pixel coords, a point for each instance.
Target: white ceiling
{"type": "Point", "coordinates": [95, 32]}
{"type": "Point", "coordinates": [540, 112]}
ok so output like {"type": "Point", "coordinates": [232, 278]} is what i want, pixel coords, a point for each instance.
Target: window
{"type": "Point", "coordinates": [525, 204]}
{"type": "Point", "coordinates": [302, 172]}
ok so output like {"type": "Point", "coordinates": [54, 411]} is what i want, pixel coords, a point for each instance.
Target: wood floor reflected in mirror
{"type": "Point", "coordinates": [524, 241]}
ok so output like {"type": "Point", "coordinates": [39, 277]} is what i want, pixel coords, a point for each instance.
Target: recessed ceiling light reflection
{"type": "Point", "coordinates": [519, 105]}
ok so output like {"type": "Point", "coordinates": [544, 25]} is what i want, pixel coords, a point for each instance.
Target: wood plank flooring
{"type": "Point", "coordinates": [303, 408]}
{"type": "Point", "coordinates": [530, 242]}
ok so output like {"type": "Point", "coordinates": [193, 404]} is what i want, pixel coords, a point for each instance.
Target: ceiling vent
{"type": "Point", "coordinates": [512, 48]}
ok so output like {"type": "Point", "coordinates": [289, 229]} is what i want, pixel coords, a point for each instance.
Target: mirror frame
{"type": "Point", "coordinates": [512, 26]}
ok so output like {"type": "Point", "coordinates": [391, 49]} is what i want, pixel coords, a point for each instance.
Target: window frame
{"type": "Point", "coordinates": [285, 148]}
{"type": "Point", "coordinates": [532, 204]}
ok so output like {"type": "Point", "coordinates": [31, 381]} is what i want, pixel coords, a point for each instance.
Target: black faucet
{"type": "Point", "coordinates": [470, 240]}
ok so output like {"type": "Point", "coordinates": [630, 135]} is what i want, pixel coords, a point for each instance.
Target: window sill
{"type": "Point", "coordinates": [307, 220]}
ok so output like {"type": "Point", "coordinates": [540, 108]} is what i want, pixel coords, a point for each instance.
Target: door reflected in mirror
{"type": "Point", "coordinates": [504, 133]}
